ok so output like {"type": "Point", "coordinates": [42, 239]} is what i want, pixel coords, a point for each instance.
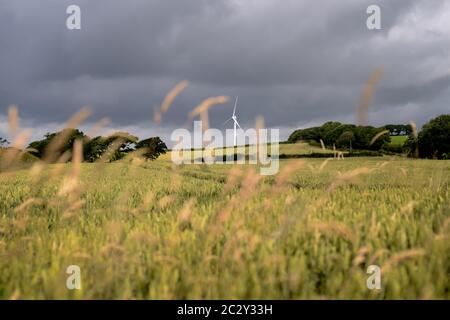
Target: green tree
{"type": "Point", "coordinates": [363, 136]}
{"type": "Point", "coordinates": [410, 147]}
{"type": "Point", "coordinates": [343, 135]}
{"type": "Point", "coordinates": [112, 148]}
{"type": "Point", "coordinates": [345, 140]}
{"type": "Point", "coordinates": [153, 147]}
{"type": "Point", "coordinates": [94, 148]}
{"type": "Point", "coordinates": [67, 136]}
{"type": "Point", "coordinates": [332, 134]}
{"type": "Point", "coordinates": [434, 138]}
{"type": "Point", "coordinates": [309, 134]}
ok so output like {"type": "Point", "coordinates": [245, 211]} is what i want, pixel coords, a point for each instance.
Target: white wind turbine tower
{"type": "Point", "coordinates": [235, 123]}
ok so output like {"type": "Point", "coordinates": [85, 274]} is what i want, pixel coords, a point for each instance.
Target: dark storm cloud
{"type": "Point", "coordinates": [294, 62]}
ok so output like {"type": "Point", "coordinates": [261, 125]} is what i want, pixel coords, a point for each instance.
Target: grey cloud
{"type": "Point", "coordinates": [294, 62]}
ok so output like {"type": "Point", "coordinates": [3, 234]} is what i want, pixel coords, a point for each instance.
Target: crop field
{"type": "Point", "coordinates": [290, 149]}
{"type": "Point", "coordinates": [153, 230]}
{"type": "Point", "coordinates": [399, 140]}
{"type": "Point", "coordinates": [299, 148]}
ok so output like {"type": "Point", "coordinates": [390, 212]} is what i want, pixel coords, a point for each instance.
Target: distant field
{"type": "Point", "coordinates": [151, 230]}
{"type": "Point", "coordinates": [300, 148]}
{"type": "Point", "coordinates": [399, 140]}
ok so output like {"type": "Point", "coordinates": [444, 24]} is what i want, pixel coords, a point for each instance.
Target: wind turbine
{"type": "Point", "coordinates": [235, 123]}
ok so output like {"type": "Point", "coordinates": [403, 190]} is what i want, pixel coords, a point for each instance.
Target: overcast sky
{"type": "Point", "coordinates": [296, 63]}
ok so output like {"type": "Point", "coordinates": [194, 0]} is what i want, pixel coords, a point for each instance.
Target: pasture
{"type": "Point", "coordinates": [398, 140]}
{"type": "Point", "coordinates": [152, 230]}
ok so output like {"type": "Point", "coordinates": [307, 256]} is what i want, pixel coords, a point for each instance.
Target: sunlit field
{"type": "Point", "coordinates": [398, 140]}
{"type": "Point", "coordinates": [152, 230]}
{"type": "Point", "coordinates": [299, 148]}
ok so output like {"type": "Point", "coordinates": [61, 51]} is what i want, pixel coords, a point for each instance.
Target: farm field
{"type": "Point", "coordinates": [152, 230]}
{"type": "Point", "coordinates": [299, 148]}
{"type": "Point", "coordinates": [399, 140]}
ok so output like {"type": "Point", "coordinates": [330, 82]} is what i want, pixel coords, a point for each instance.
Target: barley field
{"type": "Point", "coordinates": [153, 230]}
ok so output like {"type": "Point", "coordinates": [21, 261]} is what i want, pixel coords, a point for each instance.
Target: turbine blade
{"type": "Point", "coordinates": [227, 121]}
{"type": "Point", "coordinates": [237, 123]}
{"type": "Point", "coordinates": [235, 104]}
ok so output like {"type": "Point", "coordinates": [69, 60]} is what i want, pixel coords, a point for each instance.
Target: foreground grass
{"type": "Point", "coordinates": [154, 231]}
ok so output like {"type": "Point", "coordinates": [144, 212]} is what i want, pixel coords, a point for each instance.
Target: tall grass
{"type": "Point", "coordinates": [226, 232]}
{"type": "Point", "coordinates": [152, 230]}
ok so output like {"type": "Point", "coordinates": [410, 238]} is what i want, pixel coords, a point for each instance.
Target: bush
{"type": "Point", "coordinates": [153, 147]}
{"type": "Point", "coordinates": [393, 148]}
{"type": "Point", "coordinates": [434, 139]}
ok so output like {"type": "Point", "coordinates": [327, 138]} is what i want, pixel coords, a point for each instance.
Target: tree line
{"type": "Point", "coordinates": [343, 136]}
{"type": "Point", "coordinates": [109, 148]}
{"type": "Point", "coordinates": [432, 142]}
